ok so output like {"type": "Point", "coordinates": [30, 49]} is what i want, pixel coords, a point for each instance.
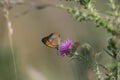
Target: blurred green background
{"type": "Point", "coordinates": [34, 60]}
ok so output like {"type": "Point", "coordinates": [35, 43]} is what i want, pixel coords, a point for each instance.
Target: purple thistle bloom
{"type": "Point", "coordinates": [64, 47]}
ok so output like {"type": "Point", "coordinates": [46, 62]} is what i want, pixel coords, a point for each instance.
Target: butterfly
{"type": "Point", "coordinates": [74, 46]}
{"type": "Point", "coordinates": [72, 49]}
{"type": "Point", "coordinates": [53, 40]}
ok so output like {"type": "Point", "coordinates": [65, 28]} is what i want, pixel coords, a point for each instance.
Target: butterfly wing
{"type": "Point", "coordinates": [72, 49]}
{"type": "Point", "coordinates": [75, 45]}
{"type": "Point", "coordinates": [52, 40]}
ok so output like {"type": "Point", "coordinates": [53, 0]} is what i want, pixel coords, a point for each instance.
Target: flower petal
{"type": "Point", "coordinates": [64, 47]}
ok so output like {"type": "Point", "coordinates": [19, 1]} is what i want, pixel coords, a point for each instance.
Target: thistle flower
{"type": "Point", "coordinates": [64, 47]}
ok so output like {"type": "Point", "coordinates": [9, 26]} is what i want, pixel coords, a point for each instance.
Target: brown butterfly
{"type": "Point", "coordinates": [53, 40]}
{"type": "Point", "coordinates": [72, 49]}
{"type": "Point", "coordinates": [74, 46]}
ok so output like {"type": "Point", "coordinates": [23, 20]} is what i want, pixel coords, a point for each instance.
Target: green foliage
{"type": "Point", "coordinates": [89, 13]}
{"type": "Point", "coordinates": [6, 64]}
{"type": "Point", "coordinates": [110, 21]}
